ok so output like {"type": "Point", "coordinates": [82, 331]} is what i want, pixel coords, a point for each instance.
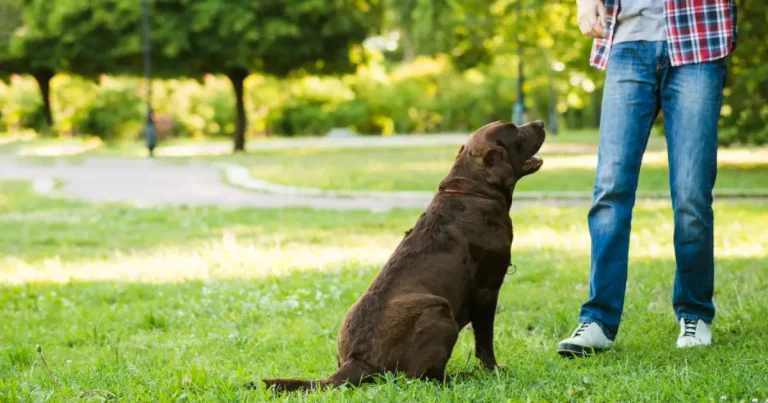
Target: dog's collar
{"type": "Point", "coordinates": [459, 192]}
{"type": "Point", "coordinates": [447, 190]}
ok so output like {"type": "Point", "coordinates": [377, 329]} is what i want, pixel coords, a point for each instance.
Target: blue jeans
{"type": "Point", "coordinates": [639, 82]}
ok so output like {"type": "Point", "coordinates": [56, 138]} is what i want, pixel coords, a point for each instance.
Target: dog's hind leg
{"type": "Point", "coordinates": [431, 343]}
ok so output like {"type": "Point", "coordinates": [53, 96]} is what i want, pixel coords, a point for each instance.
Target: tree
{"type": "Point", "coordinates": [745, 104]}
{"type": "Point", "coordinates": [44, 37]}
{"type": "Point", "coordinates": [230, 37]}
{"type": "Point", "coordinates": [430, 27]}
{"type": "Point", "coordinates": [239, 37]}
{"type": "Point", "coordinates": [25, 50]}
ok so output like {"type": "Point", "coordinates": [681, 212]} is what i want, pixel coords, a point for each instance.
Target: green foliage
{"type": "Point", "coordinates": [745, 104]}
{"type": "Point", "coordinates": [428, 95]}
{"type": "Point", "coordinates": [48, 37]}
{"type": "Point", "coordinates": [10, 21]}
{"type": "Point", "coordinates": [115, 114]}
{"type": "Point", "coordinates": [272, 45]}
{"type": "Point", "coordinates": [269, 36]}
{"type": "Point", "coordinates": [278, 38]}
{"type": "Point", "coordinates": [72, 98]}
{"type": "Point", "coordinates": [232, 38]}
{"type": "Point", "coordinates": [21, 107]}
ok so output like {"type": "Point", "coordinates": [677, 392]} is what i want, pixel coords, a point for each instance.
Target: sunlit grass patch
{"type": "Point", "coordinates": [58, 148]}
{"type": "Point", "coordinates": [12, 139]}
{"type": "Point", "coordinates": [61, 240]}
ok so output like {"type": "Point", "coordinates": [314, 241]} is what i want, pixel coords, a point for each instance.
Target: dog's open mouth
{"type": "Point", "coordinates": [532, 164]}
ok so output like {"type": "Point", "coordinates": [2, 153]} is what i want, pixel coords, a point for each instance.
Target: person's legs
{"type": "Point", "coordinates": [630, 105]}
{"type": "Point", "coordinates": [691, 98]}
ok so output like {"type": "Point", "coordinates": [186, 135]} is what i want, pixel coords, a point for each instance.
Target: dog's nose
{"type": "Point", "coordinates": [538, 123]}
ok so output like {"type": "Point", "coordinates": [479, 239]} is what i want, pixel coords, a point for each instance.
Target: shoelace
{"type": "Point", "coordinates": [581, 329]}
{"type": "Point", "coordinates": [690, 327]}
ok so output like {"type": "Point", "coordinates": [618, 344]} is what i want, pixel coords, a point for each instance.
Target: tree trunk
{"type": "Point", "coordinates": [43, 78]}
{"type": "Point", "coordinates": [237, 77]}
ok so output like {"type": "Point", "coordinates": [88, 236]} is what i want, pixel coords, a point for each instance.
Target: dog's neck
{"type": "Point", "coordinates": [459, 185]}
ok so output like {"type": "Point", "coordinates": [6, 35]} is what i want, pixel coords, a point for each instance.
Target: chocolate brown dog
{"type": "Point", "coordinates": [445, 273]}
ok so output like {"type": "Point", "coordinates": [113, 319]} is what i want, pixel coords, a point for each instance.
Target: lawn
{"type": "Point", "coordinates": [184, 304]}
{"type": "Point", "coordinates": [423, 168]}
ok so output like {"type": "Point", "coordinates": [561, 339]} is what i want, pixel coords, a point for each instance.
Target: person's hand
{"type": "Point", "coordinates": [591, 18]}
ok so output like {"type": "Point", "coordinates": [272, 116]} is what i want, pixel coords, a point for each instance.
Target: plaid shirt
{"type": "Point", "coordinates": [697, 31]}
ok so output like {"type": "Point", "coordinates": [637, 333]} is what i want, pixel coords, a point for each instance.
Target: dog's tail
{"type": "Point", "coordinates": [351, 372]}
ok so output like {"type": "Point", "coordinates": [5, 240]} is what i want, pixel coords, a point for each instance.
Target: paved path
{"type": "Point", "coordinates": [150, 182]}
{"type": "Point", "coordinates": [147, 182]}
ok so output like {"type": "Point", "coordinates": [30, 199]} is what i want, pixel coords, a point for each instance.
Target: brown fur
{"type": "Point", "coordinates": [446, 272]}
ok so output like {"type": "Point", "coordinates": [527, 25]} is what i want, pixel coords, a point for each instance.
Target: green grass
{"type": "Point", "coordinates": [423, 168]}
{"type": "Point", "coordinates": [184, 304]}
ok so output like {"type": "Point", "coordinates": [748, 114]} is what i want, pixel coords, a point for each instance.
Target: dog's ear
{"type": "Point", "coordinates": [500, 172]}
{"type": "Point", "coordinates": [461, 150]}
{"type": "Point", "coordinates": [495, 155]}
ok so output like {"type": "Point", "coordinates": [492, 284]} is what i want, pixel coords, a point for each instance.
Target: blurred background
{"type": "Point", "coordinates": [246, 69]}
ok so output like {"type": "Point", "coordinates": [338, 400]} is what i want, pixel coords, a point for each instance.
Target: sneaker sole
{"type": "Point", "coordinates": [575, 350]}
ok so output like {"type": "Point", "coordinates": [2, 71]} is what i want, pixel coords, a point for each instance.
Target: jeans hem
{"type": "Point", "coordinates": [609, 334]}
{"type": "Point", "coordinates": [694, 317]}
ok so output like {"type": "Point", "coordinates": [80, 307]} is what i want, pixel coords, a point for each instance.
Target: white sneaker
{"type": "Point", "coordinates": [585, 340]}
{"type": "Point", "coordinates": [694, 333]}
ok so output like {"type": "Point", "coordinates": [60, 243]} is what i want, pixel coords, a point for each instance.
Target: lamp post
{"type": "Point", "coordinates": [149, 124]}
{"type": "Point", "coordinates": [518, 111]}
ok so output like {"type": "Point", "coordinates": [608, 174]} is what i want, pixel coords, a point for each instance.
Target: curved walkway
{"type": "Point", "coordinates": [148, 182]}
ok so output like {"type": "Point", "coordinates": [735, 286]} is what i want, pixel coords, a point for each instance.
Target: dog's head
{"type": "Point", "coordinates": [504, 152]}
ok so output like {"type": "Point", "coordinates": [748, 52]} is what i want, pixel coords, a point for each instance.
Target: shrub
{"type": "Point", "coordinates": [23, 108]}
{"type": "Point", "coordinates": [72, 99]}
{"type": "Point", "coordinates": [115, 113]}
{"type": "Point", "coordinates": [428, 95]}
